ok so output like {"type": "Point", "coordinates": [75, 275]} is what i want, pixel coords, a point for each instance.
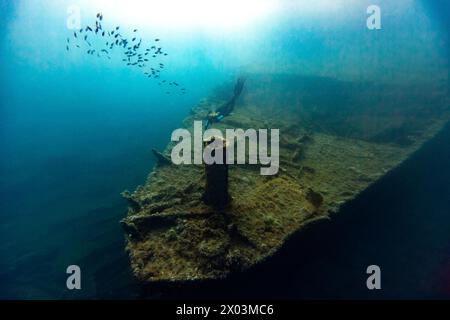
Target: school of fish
{"type": "Point", "coordinates": [135, 54]}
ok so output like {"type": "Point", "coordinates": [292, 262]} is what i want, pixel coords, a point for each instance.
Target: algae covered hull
{"type": "Point", "coordinates": [336, 138]}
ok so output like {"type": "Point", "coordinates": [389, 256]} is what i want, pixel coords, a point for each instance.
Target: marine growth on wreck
{"type": "Point", "coordinates": [327, 157]}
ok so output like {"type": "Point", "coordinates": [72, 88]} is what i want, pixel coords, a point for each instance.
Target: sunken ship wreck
{"type": "Point", "coordinates": [335, 139]}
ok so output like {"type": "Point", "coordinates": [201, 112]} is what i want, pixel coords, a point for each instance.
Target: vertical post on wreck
{"type": "Point", "coordinates": [216, 188]}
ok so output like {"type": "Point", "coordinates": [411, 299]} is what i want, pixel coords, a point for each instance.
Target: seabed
{"type": "Point", "coordinates": [336, 139]}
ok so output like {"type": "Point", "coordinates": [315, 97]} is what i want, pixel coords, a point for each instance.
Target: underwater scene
{"type": "Point", "coordinates": [252, 149]}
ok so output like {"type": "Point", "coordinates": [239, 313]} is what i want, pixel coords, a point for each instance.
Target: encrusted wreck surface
{"type": "Point", "coordinates": [335, 140]}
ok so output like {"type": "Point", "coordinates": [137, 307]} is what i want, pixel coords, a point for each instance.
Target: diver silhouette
{"type": "Point", "coordinates": [228, 107]}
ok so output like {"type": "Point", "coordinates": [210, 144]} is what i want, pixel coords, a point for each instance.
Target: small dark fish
{"type": "Point", "coordinates": [156, 39]}
{"type": "Point", "coordinates": [175, 84]}
{"type": "Point", "coordinates": [103, 33]}
{"type": "Point", "coordinates": [165, 54]}
{"type": "Point", "coordinates": [133, 39]}
{"type": "Point", "coordinates": [68, 40]}
{"type": "Point", "coordinates": [164, 81]}
{"type": "Point", "coordinates": [78, 46]}
{"type": "Point", "coordinates": [67, 48]}
{"type": "Point", "coordinates": [153, 56]}
{"type": "Point", "coordinates": [75, 34]}
{"type": "Point", "coordinates": [80, 31]}
{"type": "Point", "coordinates": [117, 28]}
{"type": "Point", "coordinates": [112, 32]}
{"type": "Point", "coordinates": [135, 30]}
{"type": "Point", "coordinates": [105, 51]}
{"type": "Point", "coordinates": [85, 37]}
{"type": "Point", "coordinates": [116, 35]}
{"type": "Point", "coordinates": [101, 17]}
{"type": "Point", "coordinates": [117, 42]}
{"type": "Point", "coordinates": [88, 29]}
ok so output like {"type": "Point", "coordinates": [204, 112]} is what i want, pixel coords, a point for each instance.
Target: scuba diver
{"type": "Point", "coordinates": [227, 108]}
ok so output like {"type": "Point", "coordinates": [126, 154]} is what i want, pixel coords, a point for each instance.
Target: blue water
{"type": "Point", "coordinates": [77, 130]}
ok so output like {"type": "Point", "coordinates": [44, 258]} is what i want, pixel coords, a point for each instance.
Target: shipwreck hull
{"type": "Point", "coordinates": [328, 155]}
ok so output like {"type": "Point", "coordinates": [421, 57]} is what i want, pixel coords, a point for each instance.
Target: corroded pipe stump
{"type": "Point", "coordinates": [216, 188]}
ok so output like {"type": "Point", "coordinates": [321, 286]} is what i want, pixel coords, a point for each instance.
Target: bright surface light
{"type": "Point", "coordinates": [186, 13]}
